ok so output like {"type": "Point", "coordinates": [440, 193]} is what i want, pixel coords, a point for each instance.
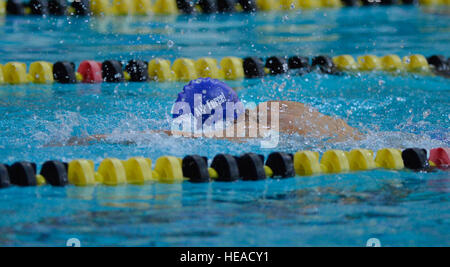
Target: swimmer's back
{"type": "Point", "coordinates": [297, 118]}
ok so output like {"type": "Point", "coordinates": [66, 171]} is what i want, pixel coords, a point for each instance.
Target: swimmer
{"type": "Point", "coordinates": [206, 99]}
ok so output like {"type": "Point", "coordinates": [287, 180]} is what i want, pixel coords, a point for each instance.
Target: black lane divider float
{"type": "Point", "coordinates": [230, 68]}
{"type": "Point", "coordinates": [223, 168]}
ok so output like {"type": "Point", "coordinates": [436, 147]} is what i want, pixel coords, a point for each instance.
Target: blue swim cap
{"type": "Point", "coordinates": [213, 93]}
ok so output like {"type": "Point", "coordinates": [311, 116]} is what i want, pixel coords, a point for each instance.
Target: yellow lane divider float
{"type": "Point", "coordinates": [133, 171]}
{"type": "Point", "coordinates": [337, 161]}
{"type": "Point", "coordinates": [16, 73]}
{"type": "Point", "coordinates": [413, 63]}
{"type": "Point", "coordinates": [184, 69]}
{"type": "Point", "coordinates": [2, 7]}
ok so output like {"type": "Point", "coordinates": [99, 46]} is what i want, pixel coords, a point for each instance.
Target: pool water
{"type": "Point", "coordinates": [400, 208]}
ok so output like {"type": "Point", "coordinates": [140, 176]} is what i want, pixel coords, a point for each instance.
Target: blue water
{"type": "Point", "coordinates": [398, 207]}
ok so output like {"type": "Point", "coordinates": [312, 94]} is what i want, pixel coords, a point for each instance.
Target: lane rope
{"type": "Point", "coordinates": [229, 68]}
{"type": "Point", "coordinates": [172, 7]}
{"type": "Point", "coordinates": [223, 167]}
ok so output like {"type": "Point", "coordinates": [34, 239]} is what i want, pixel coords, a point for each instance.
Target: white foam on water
{"type": "Point", "coordinates": [61, 129]}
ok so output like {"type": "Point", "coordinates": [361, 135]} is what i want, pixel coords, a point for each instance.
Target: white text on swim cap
{"type": "Point", "coordinates": [200, 109]}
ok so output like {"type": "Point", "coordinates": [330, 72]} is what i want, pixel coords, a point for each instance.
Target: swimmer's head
{"type": "Point", "coordinates": [208, 99]}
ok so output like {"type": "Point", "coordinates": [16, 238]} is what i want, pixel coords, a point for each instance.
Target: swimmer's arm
{"type": "Point", "coordinates": [103, 138]}
{"type": "Point", "coordinates": [81, 141]}
{"type": "Point", "coordinates": [218, 135]}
